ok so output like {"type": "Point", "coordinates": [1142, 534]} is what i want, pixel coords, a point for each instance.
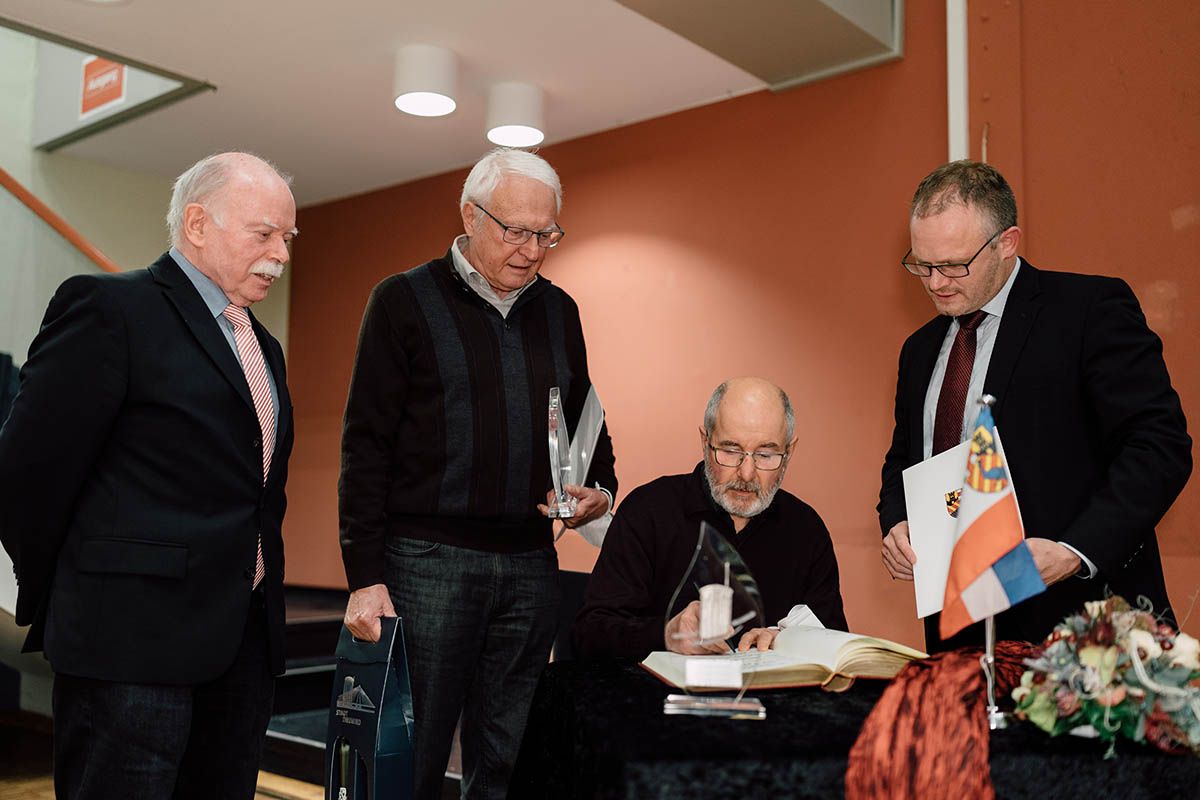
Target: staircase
{"type": "Point", "coordinates": [295, 744]}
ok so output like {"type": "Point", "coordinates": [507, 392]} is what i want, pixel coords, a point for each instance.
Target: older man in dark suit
{"type": "Point", "coordinates": [142, 475]}
{"type": "Point", "coordinates": [1094, 434]}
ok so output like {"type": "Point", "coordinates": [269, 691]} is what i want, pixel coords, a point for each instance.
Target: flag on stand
{"type": "Point", "coordinates": [991, 568]}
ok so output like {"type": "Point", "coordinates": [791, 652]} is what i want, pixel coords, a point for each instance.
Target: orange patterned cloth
{"type": "Point", "coordinates": [928, 734]}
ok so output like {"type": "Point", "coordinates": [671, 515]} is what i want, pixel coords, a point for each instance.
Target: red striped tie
{"type": "Point", "coordinates": [260, 390]}
{"type": "Point", "coordinates": [948, 420]}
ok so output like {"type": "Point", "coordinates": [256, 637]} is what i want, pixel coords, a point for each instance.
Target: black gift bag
{"type": "Point", "coordinates": [369, 748]}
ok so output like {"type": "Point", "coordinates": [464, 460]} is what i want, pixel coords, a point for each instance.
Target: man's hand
{"type": "Point", "coordinates": [898, 555]}
{"type": "Point", "coordinates": [683, 631]}
{"type": "Point", "coordinates": [762, 638]}
{"type": "Point", "coordinates": [365, 607]}
{"type": "Point", "coordinates": [1054, 561]}
{"type": "Point", "coordinates": [590, 504]}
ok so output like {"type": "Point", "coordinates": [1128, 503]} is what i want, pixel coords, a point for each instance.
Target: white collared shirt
{"type": "Point", "coordinates": [985, 342]}
{"type": "Point", "coordinates": [215, 300]}
{"type": "Point", "coordinates": [504, 305]}
{"type": "Point", "coordinates": [479, 284]}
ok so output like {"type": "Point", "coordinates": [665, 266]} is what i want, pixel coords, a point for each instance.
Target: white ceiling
{"type": "Point", "coordinates": [308, 83]}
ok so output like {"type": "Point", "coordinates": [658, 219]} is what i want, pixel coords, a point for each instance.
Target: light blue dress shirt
{"type": "Point", "coordinates": [216, 301]}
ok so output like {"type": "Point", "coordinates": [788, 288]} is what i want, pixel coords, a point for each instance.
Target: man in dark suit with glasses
{"type": "Point", "coordinates": [1093, 432]}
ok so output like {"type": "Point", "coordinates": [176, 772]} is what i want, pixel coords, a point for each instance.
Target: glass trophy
{"type": "Point", "coordinates": [570, 459]}
{"type": "Point", "coordinates": [563, 504]}
{"type": "Point", "coordinates": [729, 605]}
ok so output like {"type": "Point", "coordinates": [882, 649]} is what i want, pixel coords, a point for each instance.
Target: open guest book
{"type": "Point", "coordinates": [803, 656]}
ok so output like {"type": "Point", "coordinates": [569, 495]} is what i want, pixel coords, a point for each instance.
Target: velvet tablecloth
{"type": "Point", "coordinates": [596, 730]}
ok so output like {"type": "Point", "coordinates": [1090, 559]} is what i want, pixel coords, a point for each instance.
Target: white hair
{"type": "Point", "coordinates": [488, 171]}
{"type": "Point", "coordinates": [204, 179]}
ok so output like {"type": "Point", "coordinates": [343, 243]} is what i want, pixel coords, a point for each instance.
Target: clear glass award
{"type": "Point", "coordinates": [570, 458]}
{"type": "Point", "coordinates": [727, 604]}
{"type": "Point", "coordinates": [587, 433]}
{"type": "Point", "coordinates": [563, 504]}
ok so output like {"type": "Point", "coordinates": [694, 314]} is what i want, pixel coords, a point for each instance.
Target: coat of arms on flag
{"type": "Point", "coordinates": [991, 568]}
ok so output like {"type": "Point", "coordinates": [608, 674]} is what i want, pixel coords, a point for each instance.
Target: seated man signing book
{"type": "Point", "coordinates": [746, 441]}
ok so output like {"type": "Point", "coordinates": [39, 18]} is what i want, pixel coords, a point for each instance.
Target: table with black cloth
{"type": "Point", "coordinates": [596, 730]}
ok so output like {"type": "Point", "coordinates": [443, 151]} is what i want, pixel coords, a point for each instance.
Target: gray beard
{"type": "Point", "coordinates": [763, 501]}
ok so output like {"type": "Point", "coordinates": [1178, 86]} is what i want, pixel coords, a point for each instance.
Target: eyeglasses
{"type": "Point", "coordinates": [514, 234]}
{"type": "Point", "coordinates": [949, 270]}
{"type": "Point", "coordinates": [728, 457]}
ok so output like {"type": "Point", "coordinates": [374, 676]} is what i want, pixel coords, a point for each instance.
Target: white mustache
{"type": "Point", "coordinates": [743, 486]}
{"type": "Point", "coordinates": [268, 269]}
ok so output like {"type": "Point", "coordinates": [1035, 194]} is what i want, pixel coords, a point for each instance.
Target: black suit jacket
{"type": "Point", "coordinates": [131, 483]}
{"type": "Point", "coordinates": [1095, 436]}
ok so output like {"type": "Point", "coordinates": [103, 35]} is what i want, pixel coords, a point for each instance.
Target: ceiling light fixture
{"type": "Point", "coordinates": [423, 83]}
{"type": "Point", "coordinates": [514, 117]}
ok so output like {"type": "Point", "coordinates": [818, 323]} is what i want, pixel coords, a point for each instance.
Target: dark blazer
{"type": "Point", "coordinates": [8, 385]}
{"type": "Point", "coordinates": [1095, 436]}
{"type": "Point", "coordinates": [131, 483]}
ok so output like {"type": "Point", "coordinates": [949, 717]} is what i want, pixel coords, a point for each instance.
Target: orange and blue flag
{"type": "Point", "coordinates": [991, 568]}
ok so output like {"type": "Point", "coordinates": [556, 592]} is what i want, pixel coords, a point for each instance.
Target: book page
{"type": "Point", "coordinates": [756, 661]}
{"type": "Point", "coordinates": [675, 664]}
{"type": "Point", "coordinates": [808, 645]}
{"type": "Point", "coordinates": [802, 656]}
{"type": "Point", "coordinates": [848, 653]}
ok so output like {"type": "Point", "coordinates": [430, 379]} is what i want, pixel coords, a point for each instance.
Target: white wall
{"type": "Point", "coordinates": [118, 210]}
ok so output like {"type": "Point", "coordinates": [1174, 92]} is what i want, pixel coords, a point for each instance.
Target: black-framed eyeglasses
{"type": "Point", "coordinates": [949, 270]}
{"type": "Point", "coordinates": [514, 234]}
{"type": "Point", "coordinates": [728, 457]}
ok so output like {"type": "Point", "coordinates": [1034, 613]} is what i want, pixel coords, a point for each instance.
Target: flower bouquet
{"type": "Point", "coordinates": [1117, 670]}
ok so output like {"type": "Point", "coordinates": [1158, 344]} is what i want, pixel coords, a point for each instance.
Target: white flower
{"type": "Point", "coordinates": [1144, 640]}
{"type": "Point", "coordinates": [1123, 622]}
{"type": "Point", "coordinates": [1094, 608]}
{"type": "Point", "coordinates": [1090, 678]}
{"type": "Point", "coordinates": [1186, 652]}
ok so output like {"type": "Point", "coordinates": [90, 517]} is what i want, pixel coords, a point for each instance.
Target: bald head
{"type": "Point", "coordinates": [233, 217]}
{"type": "Point", "coordinates": [205, 181]}
{"type": "Point", "coordinates": [746, 442]}
{"type": "Point", "coordinates": [752, 397]}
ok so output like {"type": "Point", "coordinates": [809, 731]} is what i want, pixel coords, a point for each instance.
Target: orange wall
{"type": "Point", "coordinates": [1091, 111]}
{"type": "Point", "coordinates": [788, 210]}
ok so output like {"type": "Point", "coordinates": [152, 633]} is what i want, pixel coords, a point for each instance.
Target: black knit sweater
{"type": "Point", "coordinates": [445, 432]}
{"type": "Point", "coordinates": [652, 540]}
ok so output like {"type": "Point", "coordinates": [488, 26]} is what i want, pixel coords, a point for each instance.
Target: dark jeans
{"type": "Point", "coordinates": [477, 628]}
{"type": "Point", "coordinates": [153, 741]}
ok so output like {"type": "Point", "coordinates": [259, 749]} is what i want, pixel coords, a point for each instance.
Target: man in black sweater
{"type": "Point", "coordinates": [444, 464]}
{"type": "Point", "coordinates": [747, 438]}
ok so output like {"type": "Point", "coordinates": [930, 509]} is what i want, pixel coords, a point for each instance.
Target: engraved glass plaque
{"type": "Point", "coordinates": [728, 604]}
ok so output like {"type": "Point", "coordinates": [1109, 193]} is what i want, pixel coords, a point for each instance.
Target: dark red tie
{"type": "Point", "coordinates": [948, 422]}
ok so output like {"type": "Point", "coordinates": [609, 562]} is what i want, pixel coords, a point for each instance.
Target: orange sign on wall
{"type": "Point", "coordinates": [103, 84]}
